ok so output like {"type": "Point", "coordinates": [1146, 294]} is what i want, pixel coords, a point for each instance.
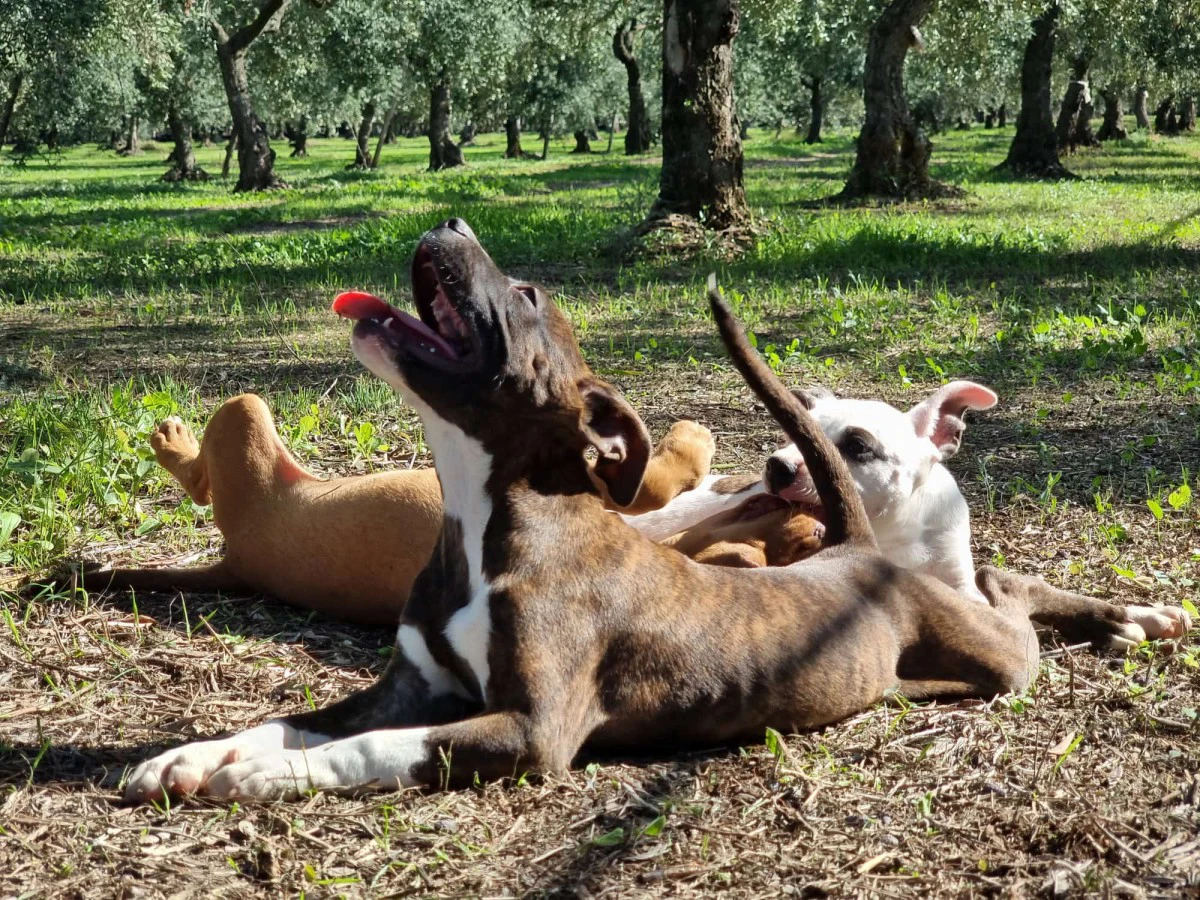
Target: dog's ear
{"type": "Point", "coordinates": [940, 417]}
{"type": "Point", "coordinates": [808, 396]}
{"type": "Point", "coordinates": [622, 443]}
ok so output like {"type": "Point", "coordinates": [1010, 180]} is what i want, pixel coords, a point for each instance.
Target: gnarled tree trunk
{"type": "Point", "coordinates": [1187, 115]}
{"type": "Point", "coordinates": [362, 154]}
{"type": "Point", "coordinates": [184, 166]}
{"type": "Point", "coordinates": [1141, 108]}
{"type": "Point", "coordinates": [10, 104]}
{"type": "Point", "coordinates": [133, 140]}
{"type": "Point", "coordinates": [443, 152]}
{"type": "Point", "coordinates": [512, 139]}
{"type": "Point", "coordinates": [701, 176]}
{"type": "Point", "coordinates": [298, 138]}
{"type": "Point", "coordinates": [1074, 127]}
{"type": "Point", "coordinates": [1002, 116]}
{"type": "Point", "coordinates": [1164, 116]}
{"type": "Point", "coordinates": [893, 151]}
{"type": "Point", "coordinates": [256, 159]}
{"type": "Point", "coordinates": [1113, 126]}
{"type": "Point", "coordinates": [1034, 150]}
{"type": "Point", "coordinates": [816, 108]}
{"type": "Point", "coordinates": [582, 143]}
{"type": "Point", "coordinates": [637, 138]}
{"type": "Point", "coordinates": [466, 137]}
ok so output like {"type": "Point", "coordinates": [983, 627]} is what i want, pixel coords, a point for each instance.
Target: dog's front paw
{"type": "Point", "coordinates": [1160, 622]}
{"type": "Point", "coordinates": [184, 770]}
{"type": "Point", "coordinates": [283, 775]}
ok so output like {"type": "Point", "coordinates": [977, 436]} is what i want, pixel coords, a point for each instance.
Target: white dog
{"type": "Point", "coordinates": [920, 518]}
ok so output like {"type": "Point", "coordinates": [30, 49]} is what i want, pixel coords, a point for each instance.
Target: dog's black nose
{"type": "Point", "coordinates": [459, 225]}
{"type": "Point", "coordinates": [779, 475]}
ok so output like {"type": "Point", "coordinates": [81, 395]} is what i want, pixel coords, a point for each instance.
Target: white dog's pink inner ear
{"type": "Point", "coordinates": [939, 417]}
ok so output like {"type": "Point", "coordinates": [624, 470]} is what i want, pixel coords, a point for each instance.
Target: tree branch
{"type": "Point", "coordinates": [267, 20]}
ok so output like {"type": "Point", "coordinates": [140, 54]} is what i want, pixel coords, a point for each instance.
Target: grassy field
{"type": "Point", "coordinates": [123, 300]}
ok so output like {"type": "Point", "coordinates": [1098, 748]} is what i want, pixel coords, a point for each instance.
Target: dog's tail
{"type": "Point", "coordinates": [846, 519]}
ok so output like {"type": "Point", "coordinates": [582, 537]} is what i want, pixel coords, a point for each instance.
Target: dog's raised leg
{"type": "Point", "coordinates": [678, 464]}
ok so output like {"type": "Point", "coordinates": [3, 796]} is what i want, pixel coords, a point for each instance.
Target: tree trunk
{"type": "Point", "coordinates": [1164, 116]}
{"type": "Point", "coordinates": [388, 119]}
{"type": "Point", "coordinates": [230, 147]}
{"type": "Point", "coordinates": [443, 152]}
{"type": "Point", "coordinates": [1141, 108]}
{"type": "Point", "coordinates": [256, 159]}
{"type": "Point", "coordinates": [612, 133]}
{"type": "Point", "coordinates": [362, 153]}
{"type": "Point", "coordinates": [10, 104]}
{"type": "Point", "coordinates": [546, 133]}
{"type": "Point", "coordinates": [1002, 116]}
{"type": "Point", "coordinates": [1034, 150]}
{"type": "Point", "coordinates": [989, 120]}
{"type": "Point", "coordinates": [133, 141]}
{"type": "Point", "coordinates": [582, 144]}
{"type": "Point", "coordinates": [1074, 128]}
{"type": "Point", "coordinates": [1187, 115]}
{"type": "Point", "coordinates": [512, 138]}
{"type": "Point", "coordinates": [637, 138]}
{"type": "Point", "coordinates": [701, 176]}
{"type": "Point", "coordinates": [298, 139]}
{"type": "Point", "coordinates": [184, 168]}
{"type": "Point", "coordinates": [466, 137]}
{"type": "Point", "coordinates": [893, 152]}
{"type": "Point", "coordinates": [1113, 127]}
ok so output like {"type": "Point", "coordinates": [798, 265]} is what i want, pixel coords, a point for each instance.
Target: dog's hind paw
{"type": "Point", "coordinates": [173, 443]}
{"type": "Point", "coordinates": [1160, 622]}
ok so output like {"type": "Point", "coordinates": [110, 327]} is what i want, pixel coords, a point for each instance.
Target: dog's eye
{"type": "Point", "coordinates": [529, 292]}
{"type": "Point", "coordinates": [857, 447]}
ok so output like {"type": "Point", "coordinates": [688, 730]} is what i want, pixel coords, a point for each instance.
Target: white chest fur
{"type": "Point", "coordinates": [463, 468]}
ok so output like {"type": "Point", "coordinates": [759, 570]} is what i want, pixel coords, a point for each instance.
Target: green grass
{"type": "Point", "coordinates": [124, 300]}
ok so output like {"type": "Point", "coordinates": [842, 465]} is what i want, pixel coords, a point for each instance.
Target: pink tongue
{"type": "Point", "coordinates": [358, 305]}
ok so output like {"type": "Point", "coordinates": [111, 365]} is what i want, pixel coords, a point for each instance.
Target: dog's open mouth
{"type": "Point", "coordinates": [441, 336]}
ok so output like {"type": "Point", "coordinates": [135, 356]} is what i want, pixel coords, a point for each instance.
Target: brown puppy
{"type": "Point", "coordinates": [543, 624]}
{"type": "Point", "coordinates": [348, 547]}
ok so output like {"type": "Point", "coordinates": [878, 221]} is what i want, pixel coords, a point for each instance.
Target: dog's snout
{"type": "Point", "coordinates": [780, 474]}
{"type": "Point", "coordinates": [460, 225]}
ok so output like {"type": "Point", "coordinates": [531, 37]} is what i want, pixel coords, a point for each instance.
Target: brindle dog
{"type": "Point", "coordinates": [543, 623]}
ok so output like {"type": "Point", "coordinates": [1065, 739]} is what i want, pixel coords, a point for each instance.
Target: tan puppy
{"type": "Point", "coordinates": [761, 531]}
{"type": "Point", "coordinates": [348, 547]}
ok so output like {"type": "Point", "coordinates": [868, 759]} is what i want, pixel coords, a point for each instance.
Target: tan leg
{"type": "Point", "coordinates": [214, 578]}
{"type": "Point", "coordinates": [177, 451]}
{"type": "Point", "coordinates": [240, 464]}
{"type": "Point", "coordinates": [678, 464]}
